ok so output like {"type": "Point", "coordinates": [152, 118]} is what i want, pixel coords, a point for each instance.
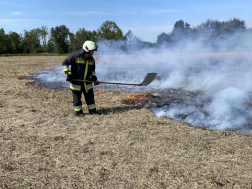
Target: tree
{"type": "Point", "coordinates": [2, 41]}
{"type": "Point", "coordinates": [178, 32]}
{"type": "Point", "coordinates": [73, 43]}
{"type": "Point", "coordinates": [93, 36]}
{"type": "Point", "coordinates": [163, 38]}
{"type": "Point", "coordinates": [232, 26]}
{"type": "Point", "coordinates": [60, 35]}
{"type": "Point", "coordinates": [234, 30]}
{"type": "Point", "coordinates": [132, 42]}
{"type": "Point", "coordinates": [129, 36]}
{"type": "Point", "coordinates": [83, 35]}
{"type": "Point", "coordinates": [50, 45]}
{"type": "Point", "coordinates": [208, 31]}
{"type": "Point", "coordinates": [15, 41]}
{"type": "Point", "coordinates": [31, 41]}
{"type": "Point", "coordinates": [218, 34]}
{"type": "Point", "coordinates": [187, 29]}
{"type": "Point", "coordinates": [43, 34]}
{"type": "Point", "coordinates": [109, 30]}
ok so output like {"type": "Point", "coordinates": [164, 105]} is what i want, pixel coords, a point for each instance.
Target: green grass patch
{"type": "Point", "coordinates": [65, 113]}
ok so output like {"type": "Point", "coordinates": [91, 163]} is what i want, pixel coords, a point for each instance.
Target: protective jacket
{"type": "Point", "coordinates": [81, 68]}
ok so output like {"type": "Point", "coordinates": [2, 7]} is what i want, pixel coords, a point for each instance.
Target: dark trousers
{"type": "Point", "coordinates": [89, 98]}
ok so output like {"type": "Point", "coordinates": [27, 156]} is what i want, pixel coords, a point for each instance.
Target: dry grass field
{"type": "Point", "coordinates": [43, 145]}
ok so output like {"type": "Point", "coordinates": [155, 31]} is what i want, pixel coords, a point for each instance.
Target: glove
{"type": "Point", "coordinates": [69, 79]}
{"type": "Point", "coordinates": [67, 73]}
{"type": "Point", "coordinates": [69, 76]}
{"type": "Point", "coordinates": [93, 78]}
{"type": "Point", "coordinates": [97, 82]}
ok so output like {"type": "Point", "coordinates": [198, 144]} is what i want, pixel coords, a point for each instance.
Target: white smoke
{"type": "Point", "coordinates": [225, 112]}
{"type": "Point", "coordinates": [225, 77]}
{"type": "Point", "coordinates": [55, 75]}
{"type": "Point", "coordinates": [52, 77]}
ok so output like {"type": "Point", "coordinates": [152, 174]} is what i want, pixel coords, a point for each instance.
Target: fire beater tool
{"type": "Point", "coordinates": [147, 80]}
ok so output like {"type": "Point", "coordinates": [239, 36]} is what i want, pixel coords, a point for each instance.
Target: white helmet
{"type": "Point", "coordinates": [89, 46]}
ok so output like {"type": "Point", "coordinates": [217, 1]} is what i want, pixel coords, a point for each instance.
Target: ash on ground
{"type": "Point", "coordinates": [201, 109]}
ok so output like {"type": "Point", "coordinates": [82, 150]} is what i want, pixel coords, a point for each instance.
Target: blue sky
{"type": "Point", "coordinates": [147, 19]}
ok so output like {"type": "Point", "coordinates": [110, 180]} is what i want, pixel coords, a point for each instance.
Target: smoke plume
{"type": "Point", "coordinates": [224, 77]}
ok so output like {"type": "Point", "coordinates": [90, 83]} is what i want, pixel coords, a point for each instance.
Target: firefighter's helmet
{"type": "Point", "coordinates": [89, 46]}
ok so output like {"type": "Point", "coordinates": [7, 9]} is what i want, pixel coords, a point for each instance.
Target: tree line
{"type": "Point", "coordinates": [211, 33]}
{"type": "Point", "coordinates": [61, 40]}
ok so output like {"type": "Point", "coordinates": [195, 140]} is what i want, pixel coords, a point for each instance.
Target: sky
{"type": "Point", "coordinates": [146, 19]}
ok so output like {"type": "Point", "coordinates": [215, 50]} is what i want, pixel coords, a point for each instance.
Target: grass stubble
{"type": "Point", "coordinates": [43, 145]}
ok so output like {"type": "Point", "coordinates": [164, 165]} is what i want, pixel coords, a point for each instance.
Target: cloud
{"type": "Point", "coordinates": [47, 12]}
{"type": "Point", "coordinates": [126, 13]}
{"type": "Point", "coordinates": [16, 13]}
{"type": "Point", "coordinates": [164, 11]}
{"type": "Point", "coordinates": [18, 22]}
{"type": "Point", "coordinates": [87, 13]}
{"type": "Point", "coordinates": [148, 33]}
{"type": "Point", "coordinates": [122, 12]}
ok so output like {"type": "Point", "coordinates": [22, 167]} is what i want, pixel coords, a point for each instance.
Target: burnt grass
{"type": "Point", "coordinates": [43, 145]}
{"type": "Point", "coordinates": [166, 97]}
{"type": "Point", "coordinates": [154, 98]}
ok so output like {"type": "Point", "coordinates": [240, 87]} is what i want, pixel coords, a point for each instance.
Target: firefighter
{"type": "Point", "coordinates": [82, 67]}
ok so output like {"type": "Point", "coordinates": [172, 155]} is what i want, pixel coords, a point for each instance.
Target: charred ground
{"type": "Point", "coordinates": [158, 96]}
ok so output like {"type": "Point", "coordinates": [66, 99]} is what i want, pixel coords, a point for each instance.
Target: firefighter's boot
{"type": "Point", "coordinates": [79, 113]}
{"type": "Point", "coordinates": [94, 112]}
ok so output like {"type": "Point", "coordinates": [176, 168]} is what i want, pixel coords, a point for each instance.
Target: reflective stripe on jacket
{"type": "Point", "coordinates": [81, 68]}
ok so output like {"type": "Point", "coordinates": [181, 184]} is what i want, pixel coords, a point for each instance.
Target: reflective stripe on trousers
{"type": "Point", "coordinates": [89, 98]}
{"type": "Point", "coordinates": [91, 106]}
{"type": "Point", "coordinates": [78, 108]}
{"type": "Point", "coordinates": [75, 87]}
{"type": "Point", "coordinates": [90, 86]}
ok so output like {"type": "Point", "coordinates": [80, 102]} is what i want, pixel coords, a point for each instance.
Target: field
{"type": "Point", "coordinates": [43, 145]}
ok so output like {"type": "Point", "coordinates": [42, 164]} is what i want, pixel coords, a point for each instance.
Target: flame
{"type": "Point", "coordinates": [137, 99]}
{"type": "Point", "coordinates": [22, 76]}
{"type": "Point", "coordinates": [31, 83]}
{"type": "Point", "coordinates": [100, 91]}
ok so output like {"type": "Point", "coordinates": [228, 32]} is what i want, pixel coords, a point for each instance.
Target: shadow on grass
{"type": "Point", "coordinates": [116, 110]}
